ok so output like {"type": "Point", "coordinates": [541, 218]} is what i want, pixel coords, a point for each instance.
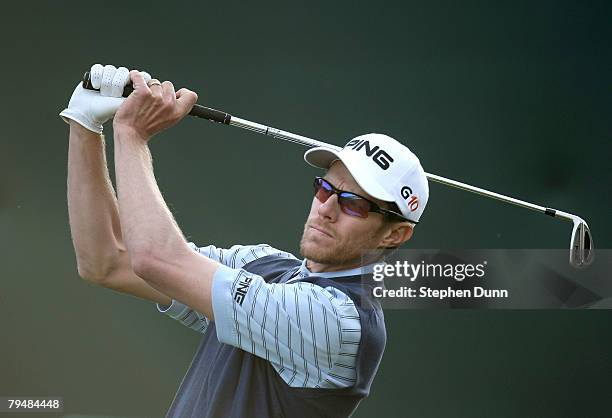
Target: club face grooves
{"type": "Point", "coordinates": [581, 245]}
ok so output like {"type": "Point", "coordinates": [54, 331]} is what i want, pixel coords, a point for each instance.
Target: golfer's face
{"type": "Point", "coordinates": [334, 237]}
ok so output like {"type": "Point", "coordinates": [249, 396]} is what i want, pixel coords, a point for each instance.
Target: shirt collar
{"type": "Point", "coordinates": [303, 272]}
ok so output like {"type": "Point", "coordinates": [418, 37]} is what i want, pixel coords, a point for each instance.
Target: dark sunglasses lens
{"type": "Point", "coordinates": [322, 190]}
{"type": "Point", "coordinates": [354, 205]}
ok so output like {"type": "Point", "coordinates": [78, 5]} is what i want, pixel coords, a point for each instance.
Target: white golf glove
{"type": "Point", "coordinates": [92, 109]}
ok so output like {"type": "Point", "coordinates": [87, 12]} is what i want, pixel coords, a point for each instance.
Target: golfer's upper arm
{"type": "Point", "coordinates": [309, 334]}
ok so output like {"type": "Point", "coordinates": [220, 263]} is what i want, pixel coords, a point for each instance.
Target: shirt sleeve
{"type": "Point", "coordinates": [236, 256]}
{"type": "Point", "coordinates": [310, 334]}
{"type": "Point", "coordinates": [185, 315]}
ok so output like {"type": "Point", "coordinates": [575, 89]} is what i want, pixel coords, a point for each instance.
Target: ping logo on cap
{"type": "Point", "coordinates": [380, 156]}
{"type": "Point", "coordinates": [412, 200]}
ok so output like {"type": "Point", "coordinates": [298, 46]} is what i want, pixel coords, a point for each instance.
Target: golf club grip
{"type": "Point", "coordinates": [198, 111]}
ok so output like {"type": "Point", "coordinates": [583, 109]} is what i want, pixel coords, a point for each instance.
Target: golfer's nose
{"type": "Point", "coordinates": [330, 208]}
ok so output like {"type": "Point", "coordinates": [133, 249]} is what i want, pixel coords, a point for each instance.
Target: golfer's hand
{"type": "Point", "coordinates": [152, 107]}
{"type": "Point", "coordinates": [92, 109]}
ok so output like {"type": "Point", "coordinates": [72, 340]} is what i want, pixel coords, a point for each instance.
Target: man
{"type": "Point", "coordinates": [282, 336]}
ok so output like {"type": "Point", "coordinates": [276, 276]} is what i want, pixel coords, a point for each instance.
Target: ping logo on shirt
{"type": "Point", "coordinates": [242, 289]}
{"type": "Point", "coordinates": [380, 156]}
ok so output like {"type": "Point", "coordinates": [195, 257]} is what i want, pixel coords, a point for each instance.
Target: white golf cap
{"type": "Point", "coordinates": [384, 168]}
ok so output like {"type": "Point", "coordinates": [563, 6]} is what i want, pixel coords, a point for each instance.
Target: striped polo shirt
{"type": "Point", "coordinates": [309, 334]}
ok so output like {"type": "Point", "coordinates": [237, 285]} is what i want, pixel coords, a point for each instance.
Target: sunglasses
{"type": "Point", "coordinates": [351, 203]}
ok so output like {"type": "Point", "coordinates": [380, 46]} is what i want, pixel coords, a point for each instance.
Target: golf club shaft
{"type": "Point", "coordinates": [299, 139]}
{"type": "Point", "coordinates": [227, 119]}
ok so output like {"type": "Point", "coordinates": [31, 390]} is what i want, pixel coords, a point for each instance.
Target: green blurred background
{"type": "Point", "coordinates": [512, 96]}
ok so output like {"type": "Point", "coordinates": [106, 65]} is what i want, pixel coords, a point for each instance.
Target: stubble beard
{"type": "Point", "coordinates": [336, 254]}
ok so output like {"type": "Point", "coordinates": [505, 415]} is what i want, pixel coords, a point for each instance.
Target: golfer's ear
{"type": "Point", "coordinates": [398, 234]}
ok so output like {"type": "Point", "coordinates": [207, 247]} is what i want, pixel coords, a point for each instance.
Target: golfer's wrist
{"type": "Point", "coordinates": [77, 129]}
{"type": "Point", "coordinates": [129, 133]}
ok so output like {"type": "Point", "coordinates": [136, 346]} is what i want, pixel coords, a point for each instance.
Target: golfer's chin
{"type": "Point", "coordinates": [316, 247]}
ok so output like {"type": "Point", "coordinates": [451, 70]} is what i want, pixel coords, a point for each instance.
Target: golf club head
{"type": "Point", "coordinates": [581, 244]}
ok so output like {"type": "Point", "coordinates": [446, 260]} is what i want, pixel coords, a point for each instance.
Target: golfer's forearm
{"type": "Point", "coordinates": [92, 205]}
{"type": "Point", "coordinates": [150, 232]}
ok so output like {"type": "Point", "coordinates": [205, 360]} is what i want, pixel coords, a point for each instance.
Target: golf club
{"type": "Point", "coordinates": [581, 242]}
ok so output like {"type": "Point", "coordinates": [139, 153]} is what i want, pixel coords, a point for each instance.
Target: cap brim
{"type": "Point", "coordinates": [322, 157]}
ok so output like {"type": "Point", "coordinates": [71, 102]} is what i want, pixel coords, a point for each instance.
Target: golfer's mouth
{"type": "Point", "coordinates": [320, 230]}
